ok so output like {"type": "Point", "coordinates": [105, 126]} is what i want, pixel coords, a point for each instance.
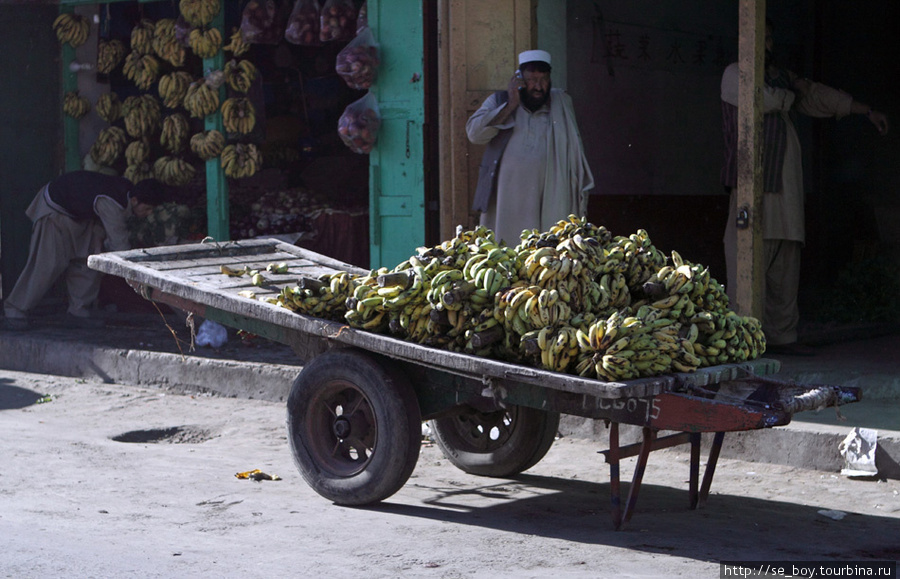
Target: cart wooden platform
{"type": "Point", "coordinates": [356, 407]}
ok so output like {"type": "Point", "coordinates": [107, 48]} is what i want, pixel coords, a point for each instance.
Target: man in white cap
{"type": "Point", "coordinates": [534, 171]}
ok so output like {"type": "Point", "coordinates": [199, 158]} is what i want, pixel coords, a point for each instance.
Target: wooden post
{"type": "Point", "coordinates": [751, 50]}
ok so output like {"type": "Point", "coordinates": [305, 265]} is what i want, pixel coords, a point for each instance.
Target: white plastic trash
{"type": "Point", "coordinates": [858, 450]}
{"type": "Point", "coordinates": [211, 334]}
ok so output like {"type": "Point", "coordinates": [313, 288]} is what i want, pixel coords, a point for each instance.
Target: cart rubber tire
{"type": "Point", "coordinates": [496, 444]}
{"type": "Point", "coordinates": [354, 427]}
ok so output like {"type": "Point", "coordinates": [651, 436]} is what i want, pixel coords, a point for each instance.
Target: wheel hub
{"type": "Point", "coordinates": [341, 427]}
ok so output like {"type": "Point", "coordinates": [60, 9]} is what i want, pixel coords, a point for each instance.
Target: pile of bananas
{"type": "Point", "coordinates": [205, 43]}
{"type": "Point", "coordinates": [238, 115]}
{"type": "Point", "coordinates": [241, 160]}
{"type": "Point", "coordinates": [208, 144]}
{"type": "Point", "coordinates": [142, 69]}
{"type": "Point", "coordinates": [201, 99]}
{"type": "Point", "coordinates": [141, 114]}
{"type": "Point", "coordinates": [137, 152]}
{"type": "Point", "coordinates": [572, 299]}
{"type": "Point", "coordinates": [199, 12]}
{"type": "Point", "coordinates": [240, 74]}
{"type": "Point", "coordinates": [139, 172]}
{"type": "Point", "coordinates": [75, 105]}
{"type": "Point", "coordinates": [173, 170]}
{"type": "Point", "coordinates": [173, 87]}
{"type": "Point", "coordinates": [175, 132]}
{"type": "Point", "coordinates": [165, 44]}
{"type": "Point", "coordinates": [108, 147]}
{"type": "Point", "coordinates": [237, 46]}
{"type": "Point", "coordinates": [109, 54]}
{"type": "Point", "coordinates": [72, 29]}
{"type": "Point", "coordinates": [109, 107]}
{"type": "Point", "coordinates": [142, 37]}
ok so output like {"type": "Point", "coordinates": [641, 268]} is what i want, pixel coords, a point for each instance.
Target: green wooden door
{"type": "Point", "coordinates": [396, 170]}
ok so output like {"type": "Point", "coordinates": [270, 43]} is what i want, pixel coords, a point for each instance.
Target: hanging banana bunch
{"type": "Point", "coordinates": [241, 160]}
{"type": "Point", "coordinates": [108, 147]}
{"type": "Point", "coordinates": [137, 152]}
{"type": "Point", "coordinates": [109, 107]}
{"type": "Point", "coordinates": [205, 43]}
{"type": "Point", "coordinates": [237, 46]}
{"type": "Point", "coordinates": [239, 75]}
{"type": "Point", "coordinates": [201, 99]}
{"type": "Point", "coordinates": [141, 114]}
{"type": "Point", "coordinates": [142, 69]}
{"type": "Point", "coordinates": [199, 12]}
{"type": "Point", "coordinates": [139, 172]}
{"type": "Point", "coordinates": [173, 171]}
{"type": "Point", "coordinates": [142, 37]}
{"type": "Point", "coordinates": [238, 115]}
{"type": "Point", "coordinates": [109, 54]}
{"type": "Point", "coordinates": [165, 44]}
{"type": "Point", "coordinates": [175, 131]}
{"type": "Point", "coordinates": [75, 105]}
{"type": "Point", "coordinates": [172, 88]}
{"type": "Point", "coordinates": [72, 29]}
{"type": "Point", "coordinates": [208, 144]}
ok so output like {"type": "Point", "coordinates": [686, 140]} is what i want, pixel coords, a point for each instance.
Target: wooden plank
{"type": "Point", "coordinates": [751, 44]}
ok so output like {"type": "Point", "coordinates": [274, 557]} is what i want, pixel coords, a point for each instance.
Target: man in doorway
{"type": "Point", "coordinates": [783, 198]}
{"type": "Point", "coordinates": [75, 215]}
{"type": "Point", "coordinates": [534, 171]}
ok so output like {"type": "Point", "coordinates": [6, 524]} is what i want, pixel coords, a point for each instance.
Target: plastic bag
{"type": "Point", "coordinates": [358, 62]}
{"type": "Point", "coordinates": [358, 126]}
{"type": "Point", "coordinates": [303, 24]}
{"type": "Point", "coordinates": [362, 18]}
{"type": "Point", "coordinates": [337, 20]}
{"type": "Point", "coordinates": [262, 22]}
{"type": "Point", "coordinates": [182, 32]}
{"type": "Point", "coordinates": [211, 334]}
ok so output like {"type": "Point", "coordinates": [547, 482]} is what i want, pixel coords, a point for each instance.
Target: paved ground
{"type": "Point", "coordinates": [117, 480]}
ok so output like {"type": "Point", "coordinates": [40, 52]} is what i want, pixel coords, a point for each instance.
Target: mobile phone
{"type": "Point", "coordinates": [519, 74]}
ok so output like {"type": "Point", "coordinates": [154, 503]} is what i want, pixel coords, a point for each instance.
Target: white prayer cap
{"type": "Point", "coordinates": [534, 56]}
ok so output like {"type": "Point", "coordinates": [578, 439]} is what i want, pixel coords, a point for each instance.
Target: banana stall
{"type": "Point", "coordinates": [267, 118]}
{"type": "Point", "coordinates": [490, 343]}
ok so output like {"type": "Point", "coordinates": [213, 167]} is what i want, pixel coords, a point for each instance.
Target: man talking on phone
{"type": "Point", "coordinates": [534, 171]}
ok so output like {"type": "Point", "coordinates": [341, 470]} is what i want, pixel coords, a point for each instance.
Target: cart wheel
{"type": "Point", "coordinates": [354, 427]}
{"type": "Point", "coordinates": [498, 444]}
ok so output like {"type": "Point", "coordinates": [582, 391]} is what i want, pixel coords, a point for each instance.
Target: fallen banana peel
{"type": "Point", "coordinates": [257, 475]}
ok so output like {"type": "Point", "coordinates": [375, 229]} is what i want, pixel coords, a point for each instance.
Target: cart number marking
{"type": "Point", "coordinates": [631, 405]}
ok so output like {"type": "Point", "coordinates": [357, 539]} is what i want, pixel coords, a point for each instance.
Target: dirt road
{"type": "Point", "coordinates": [105, 480]}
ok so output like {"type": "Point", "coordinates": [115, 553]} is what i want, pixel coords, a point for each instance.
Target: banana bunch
{"type": "Point", "coordinates": [238, 115]}
{"type": "Point", "coordinates": [75, 105]}
{"type": "Point", "coordinates": [72, 29]}
{"type": "Point", "coordinates": [137, 152]}
{"type": "Point", "coordinates": [175, 132]}
{"type": "Point", "coordinates": [365, 306]}
{"type": "Point", "coordinates": [205, 43]}
{"type": "Point", "coordinates": [109, 54]}
{"type": "Point", "coordinates": [142, 37]}
{"type": "Point", "coordinates": [558, 347]}
{"type": "Point", "coordinates": [325, 297]}
{"type": "Point", "coordinates": [199, 12]}
{"type": "Point", "coordinates": [108, 147]}
{"type": "Point", "coordinates": [523, 308]}
{"type": "Point", "coordinates": [201, 99]}
{"type": "Point", "coordinates": [684, 288]}
{"type": "Point", "coordinates": [635, 256]}
{"type": "Point", "coordinates": [727, 337]}
{"type": "Point", "coordinates": [173, 171]}
{"type": "Point", "coordinates": [173, 87]}
{"type": "Point", "coordinates": [141, 114]}
{"type": "Point", "coordinates": [138, 172]}
{"type": "Point", "coordinates": [241, 160]}
{"type": "Point", "coordinates": [109, 107]}
{"type": "Point", "coordinates": [237, 46]}
{"type": "Point", "coordinates": [142, 69]}
{"type": "Point", "coordinates": [208, 144]}
{"type": "Point", "coordinates": [240, 74]}
{"type": "Point", "coordinates": [165, 44]}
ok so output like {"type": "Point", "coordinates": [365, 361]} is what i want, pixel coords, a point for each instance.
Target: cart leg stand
{"type": "Point", "coordinates": [613, 458]}
{"type": "Point", "coordinates": [710, 467]}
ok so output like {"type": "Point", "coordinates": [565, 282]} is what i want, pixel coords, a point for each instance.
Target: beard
{"type": "Point", "coordinates": [534, 102]}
